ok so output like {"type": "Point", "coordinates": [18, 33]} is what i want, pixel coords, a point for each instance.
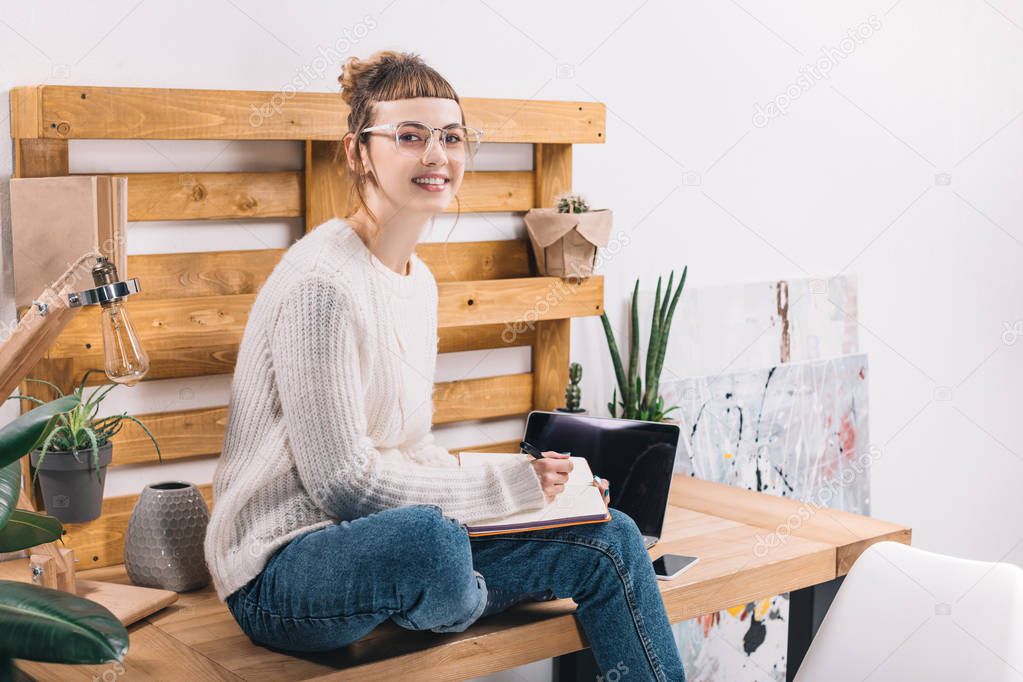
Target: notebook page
{"type": "Point", "coordinates": [579, 501]}
{"type": "Point", "coordinates": [580, 474]}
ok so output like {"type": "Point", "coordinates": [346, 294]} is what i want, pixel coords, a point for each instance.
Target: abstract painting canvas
{"type": "Point", "coordinates": [798, 430]}
{"type": "Point", "coordinates": [744, 326]}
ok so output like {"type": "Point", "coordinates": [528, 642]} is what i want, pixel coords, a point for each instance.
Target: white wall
{"type": "Point", "coordinates": [902, 166]}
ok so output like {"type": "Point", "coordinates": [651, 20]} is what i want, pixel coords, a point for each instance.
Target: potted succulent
{"type": "Point", "coordinates": [573, 393]}
{"type": "Point", "coordinates": [38, 623]}
{"type": "Point", "coordinates": [78, 447]}
{"type": "Point", "coordinates": [565, 238]}
{"type": "Point", "coordinates": [640, 398]}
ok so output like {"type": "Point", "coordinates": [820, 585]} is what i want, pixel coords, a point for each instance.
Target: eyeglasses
{"type": "Point", "coordinates": [414, 138]}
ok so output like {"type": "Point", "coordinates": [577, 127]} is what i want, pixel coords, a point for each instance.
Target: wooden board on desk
{"type": "Point", "coordinates": [129, 603]}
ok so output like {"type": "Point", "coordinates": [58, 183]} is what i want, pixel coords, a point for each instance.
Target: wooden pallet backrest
{"type": "Point", "coordinates": [193, 306]}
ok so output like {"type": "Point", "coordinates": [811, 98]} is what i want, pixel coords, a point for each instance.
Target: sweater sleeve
{"type": "Point", "coordinates": [427, 451]}
{"type": "Point", "coordinates": [316, 346]}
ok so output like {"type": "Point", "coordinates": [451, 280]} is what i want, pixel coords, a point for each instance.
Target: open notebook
{"type": "Point", "coordinates": [580, 502]}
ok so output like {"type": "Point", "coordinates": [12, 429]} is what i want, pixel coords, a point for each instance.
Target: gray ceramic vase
{"type": "Point", "coordinates": [164, 543]}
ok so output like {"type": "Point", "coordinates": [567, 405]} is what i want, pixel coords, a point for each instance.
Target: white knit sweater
{"type": "Point", "coordinates": [331, 409]}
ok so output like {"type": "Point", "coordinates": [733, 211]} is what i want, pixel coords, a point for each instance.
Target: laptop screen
{"type": "Point", "coordinates": [637, 457]}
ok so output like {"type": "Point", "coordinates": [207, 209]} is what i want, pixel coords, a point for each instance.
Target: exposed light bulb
{"type": "Point", "coordinates": [125, 360]}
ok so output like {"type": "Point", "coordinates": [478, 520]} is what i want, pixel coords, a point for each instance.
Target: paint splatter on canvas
{"type": "Point", "coordinates": [793, 429]}
{"type": "Point", "coordinates": [797, 430]}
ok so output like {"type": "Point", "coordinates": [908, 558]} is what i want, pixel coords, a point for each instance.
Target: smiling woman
{"type": "Point", "coordinates": [408, 144]}
{"type": "Point", "coordinates": [335, 510]}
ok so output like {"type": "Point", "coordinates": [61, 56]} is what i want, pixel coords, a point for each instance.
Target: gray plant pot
{"type": "Point", "coordinates": [72, 493]}
{"type": "Point", "coordinates": [163, 546]}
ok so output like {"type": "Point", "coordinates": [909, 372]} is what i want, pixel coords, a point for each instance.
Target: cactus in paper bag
{"type": "Point", "coordinates": [639, 398]}
{"type": "Point", "coordinates": [565, 238]}
{"type": "Point", "coordinates": [572, 203]}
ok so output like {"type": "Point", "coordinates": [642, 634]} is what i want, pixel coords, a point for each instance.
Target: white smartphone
{"type": "Point", "coordinates": [667, 566]}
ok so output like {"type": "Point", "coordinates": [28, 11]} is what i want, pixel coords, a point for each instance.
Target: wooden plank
{"type": "Point", "coordinates": [34, 157]}
{"type": "Point", "coordinates": [471, 261]}
{"type": "Point", "coordinates": [201, 273]}
{"type": "Point", "coordinates": [183, 337]}
{"type": "Point", "coordinates": [25, 113]}
{"type": "Point", "coordinates": [500, 446]}
{"type": "Point", "coordinates": [237, 195]}
{"type": "Point", "coordinates": [501, 396]}
{"type": "Point", "coordinates": [152, 655]}
{"type": "Point", "coordinates": [783, 518]}
{"type": "Point", "coordinates": [213, 196]}
{"type": "Point", "coordinates": [550, 363]}
{"type": "Point", "coordinates": [326, 183]}
{"type": "Point", "coordinates": [553, 166]}
{"type": "Point", "coordinates": [488, 191]}
{"type": "Point", "coordinates": [101, 542]}
{"type": "Point", "coordinates": [78, 112]}
{"type": "Point", "coordinates": [215, 273]}
{"type": "Point", "coordinates": [182, 434]}
{"type": "Point", "coordinates": [519, 302]}
{"type": "Point", "coordinates": [40, 158]}
{"type": "Point", "coordinates": [482, 337]}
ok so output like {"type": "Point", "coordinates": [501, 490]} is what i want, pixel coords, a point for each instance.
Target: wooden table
{"type": "Point", "coordinates": [728, 528]}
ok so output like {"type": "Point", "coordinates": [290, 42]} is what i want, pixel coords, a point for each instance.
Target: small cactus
{"type": "Point", "coordinates": [572, 203]}
{"type": "Point", "coordinates": [573, 393]}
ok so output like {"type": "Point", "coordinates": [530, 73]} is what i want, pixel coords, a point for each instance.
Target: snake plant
{"type": "Point", "coordinates": [639, 397]}
{"type": "Point", "coordinates": [38, 623]}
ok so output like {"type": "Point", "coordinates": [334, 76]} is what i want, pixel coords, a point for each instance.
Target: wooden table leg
{"type": "Point", "coordinates": [579, 666]}
{"type": "Point", "coordinates": [807, 608]}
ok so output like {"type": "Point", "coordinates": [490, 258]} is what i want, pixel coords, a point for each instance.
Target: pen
{"type": "Point", "coordinates": [530, 449]}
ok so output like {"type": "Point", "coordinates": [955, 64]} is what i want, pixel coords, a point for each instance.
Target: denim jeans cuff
{"type": "Point", "coordinates": [476, 612]}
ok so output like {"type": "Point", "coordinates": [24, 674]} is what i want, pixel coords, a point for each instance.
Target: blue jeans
{"type": "Point", "coordinates": [331, 586]}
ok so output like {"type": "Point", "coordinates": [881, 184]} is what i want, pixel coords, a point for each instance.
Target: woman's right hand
{"type": "Point", "coordinates": [552, 469]}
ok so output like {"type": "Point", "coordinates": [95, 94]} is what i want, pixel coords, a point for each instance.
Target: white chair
{"type": "Point", "coordinates": [905, 614]}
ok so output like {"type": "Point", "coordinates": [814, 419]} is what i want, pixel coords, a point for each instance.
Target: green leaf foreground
{"type": "Point", "coordinates": [51, 626]}
{"type": "Point", "coordinates": [27, 431]}
{"type": "Point", "coordinates": [27, 529]}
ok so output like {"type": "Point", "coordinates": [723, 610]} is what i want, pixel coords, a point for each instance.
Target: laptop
{"type": "Point", "coordinates": [636, 457]}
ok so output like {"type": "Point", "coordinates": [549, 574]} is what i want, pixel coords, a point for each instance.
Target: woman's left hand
{"type": "Point", "coordinates": [604, 485]}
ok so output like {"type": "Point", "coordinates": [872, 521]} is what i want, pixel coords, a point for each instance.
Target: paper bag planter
{"type": "Point", "coordinates": [565, 244]}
